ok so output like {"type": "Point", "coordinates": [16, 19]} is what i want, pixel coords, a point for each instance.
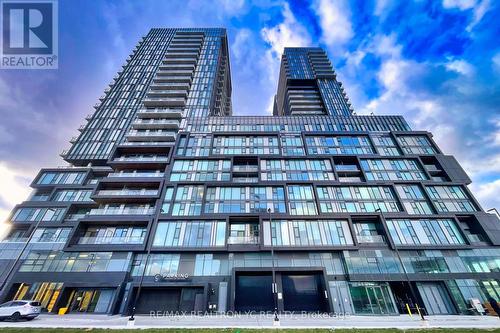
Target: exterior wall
{"type": "Point", "coordinates": [345, 197]}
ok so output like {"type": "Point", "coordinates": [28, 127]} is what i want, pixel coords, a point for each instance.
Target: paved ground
{"type": "Point", "coordinates": [259, 321]}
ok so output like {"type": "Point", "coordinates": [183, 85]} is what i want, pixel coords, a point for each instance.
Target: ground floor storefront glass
{"type": "Point", "coordinates": [44, 292]}
{"type": "Point", "coordinates": [90, 300]}
{"type": "Point", "coordinates": [372, 298]}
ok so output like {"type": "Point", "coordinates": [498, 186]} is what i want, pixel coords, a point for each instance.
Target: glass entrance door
{"type": "Point", "coordinates": [372, 298]}
{"type": "Point", "coordinates": [90, 300]}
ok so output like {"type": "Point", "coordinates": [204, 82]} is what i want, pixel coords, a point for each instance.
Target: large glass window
{"type": "Point", "coordinates": [357, 199]}
{"type": "Point", "coordinates": [201, 170]}
{"type": "Point", "coordinates": [339, 145]}
{"type": "Point", "coordinates": [292, 145]}
{"type": "Point", "coordinates": [158, 263]}
{"type": "Point", "coordinates": [372, 262]}
{"type": "Point", "coordinates": [51, 235]}
{"type": "Point", "coordinates": [30, 214]}
{"type": "Point", "coordinates": [413, 199]}
{"type": "Point", "coordinates": [188, 201]}
{"type": "Point", "coordinates": [113, 235]}
{"type": "Point", "coordinates": [307, 233]}
{"type": "Point", "coordinates": [75, 262]}
{"type": "Point", "coordinates": [450, 199]}
{"type": "Point", "coordinates": [416, 144]}
{"type": "Point", "coordinates": [66, 178]}
{"type": "Point", "coordinates": [295, 169]}
{"type": "Point", "coordinates": [245, 145]}
{"type": "Point", "coordinates": [301, 200]}
{"type": "Point", "coordinates": [194, 145]}
{"type": "Point", "coordinates": [385, 144]}
{"type": "Point", "coordinates": [73, 195]}
{"type": "Point", "coordinates": [393, 169]}
{"type": "Point", "coordinates": [245, 199]}
{"type": "Point", "coordinates": [424, 231]}
{"type": "Point", "coordinates": [190, 234]}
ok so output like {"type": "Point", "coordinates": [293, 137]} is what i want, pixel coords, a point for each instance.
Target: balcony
{"type": "Point", "coordinates": [160, 113]}
{"type": "Point", "coordinates": [242, 240]}
{"type": "Point", "coordinates": [128, 192]}
{"type": "Point", "coordinates": [155, 123]}
{"type": "Point", "coordinates": [169, 86]}
{"type": "Point", "coordinates": [245, 179]}
{"type": "Point", "coordinates": [167, 93]}
{"type": "Point", "coordinates": [371, 239]}
{"type": "Point", "coordinates": [122, 211]}
{"type": "Point", "coordinates": [110, 240]}
{"type": "Point", "coordinates": [476, 239]}
{"type": "Point", "coordinates": [164, 101]}
{"type": "Point", "coordinates": [142, 159]}
{"type": "Point", "coordinates": [175, 72]}
{"type": "Point", "coordinates": [136, 175]}
{"type": "Point", "coordinates": [190, 60]}
{"type": "Point", "coordinates": [153, 135]}
{"type": "Point", "coordinates": [75, 217]}
{"type": "Point", "coordinates": [187, 67]}
{"type": "Point", "coordinates": [346, 168]}
{"type": "Point", "coordinates": [170, 79]}
{"type": "Point", "coordinates": [245, 168]}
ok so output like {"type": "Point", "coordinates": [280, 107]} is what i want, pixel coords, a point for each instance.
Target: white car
{"type": "Point", "coordinates": [18, 309]}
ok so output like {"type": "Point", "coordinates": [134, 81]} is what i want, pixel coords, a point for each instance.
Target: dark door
{"type": "Point", "coordinates": [188, 299]}
{"type": "Point", "coordinates": [253, 293]}
{"type": "Point", "coordinates": [303, 293]}
{"type": "Point", "coordinates": [157, 299]}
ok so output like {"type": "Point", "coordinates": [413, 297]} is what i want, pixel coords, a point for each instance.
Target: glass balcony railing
{"type": "Point", "coordinates": [142, 158]}
{"type": "Point", "coordinates": [128, 192]}
{"type": "Point", "coordinates": [370, 238]}
{"type": "Point", "coordinates": [136, 174]}
{"type": "Point", "coordinates": [245, 168]}
{"type": "Point", "coordinates": [235, 240]}
{"type": "Point", "coordinates": [122, 211]}
{"type": "Point", "coordinates": [346, 167]}
{"type": "Point", "coordinates": [475, 238]}
{"type": "Point", "coordinates": [74, 217]}
{"type": "Point", "coordinates": [245, 179]}
{"type": "Point", "coordinates": [110, 240]}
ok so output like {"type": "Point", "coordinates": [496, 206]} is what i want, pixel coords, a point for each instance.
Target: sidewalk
{"type": "Point", "coordinates": [258, 321]}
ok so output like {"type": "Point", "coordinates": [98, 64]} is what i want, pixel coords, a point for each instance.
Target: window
{"type": "Point", "coordinates": [190, 234]}
{"type": "Point", "coordinates": [159, 263]}
{"type": "Point", "coordinates": [292, 145]}
{"type": "Point", "coordinates": [307, 233]}
{"type": "Point", "coordinates": [73, 195]}
{"type": "Point", "coordinates": [26, 214]}
{"type": "Point", "coordinates": [38, 261]}
{"type": "Point", "coordinates": [301, 200]}
{"type": "Point", "coordinates": [393, 169]}
{"type": "Point", "coordinates": [424, 231]}
{"type": "Point", "coordinates": [201, 170]}
{"type": "Point", "coordinates": [66, 178]}
{"type": "Point", "coordinates": [413, 199]}
{"type": "Point", "coordinates": [276, 170]}
{"type": "Point", "coordinates": [188, 201]}
{"type": "Point", "coordinates": [450, 199]}
{"type": "Point", "coordinates": [385, 144]}
{"type": "Point", "coordinates": [339, 145]}
{"type": "Point", "coordinates": [245, 199]}
{"type": "Point", "coordinates": [245, 145]}
{"type": "Point", "coordinates": [357, 199]}
{"type": "Point", "coordinates": [416, 144]}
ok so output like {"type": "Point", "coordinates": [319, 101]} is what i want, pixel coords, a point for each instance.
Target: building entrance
{"type": "Point", "coordinates": [303, 292]}
{"type": "Point", "coordinates": [170, 300]}
{"type": "Point", "coordinates": [254, 292]}
{"type": "Point", "coordinates": [90, 300]}
{"type": "Point", "coordinates": [372, 298]}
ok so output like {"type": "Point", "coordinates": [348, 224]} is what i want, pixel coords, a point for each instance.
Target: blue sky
{"type": "Point", "coordinates": [437, 63]}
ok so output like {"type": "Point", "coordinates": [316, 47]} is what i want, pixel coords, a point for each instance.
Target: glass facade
{"type": "Point", "coordinates": [163, 179]}
{"type": "Point", "coordinates": [357, 199]}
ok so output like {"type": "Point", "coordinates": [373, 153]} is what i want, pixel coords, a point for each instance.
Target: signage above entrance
{"type": "Point", "coordinates": [170, 277]}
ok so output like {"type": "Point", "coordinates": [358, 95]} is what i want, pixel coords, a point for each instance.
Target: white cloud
{"type": "Point", "coordinates": [14, 185]}
{"type": "Point", "coordinates": [289, 33]}
{"type": "Point", "coordinates": [479, 8]}
{"type": "Point", "coordinates": [461, 67]}
{"type": "Point", "coordinates": [334, 16]}
{"type": "Point", "coordinates": [487, 194]}
{"type": "Point", "coordinates": [460, 4]}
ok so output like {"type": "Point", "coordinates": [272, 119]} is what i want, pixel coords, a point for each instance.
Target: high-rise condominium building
{"type": "Point", "coordinates": [171, 203]}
